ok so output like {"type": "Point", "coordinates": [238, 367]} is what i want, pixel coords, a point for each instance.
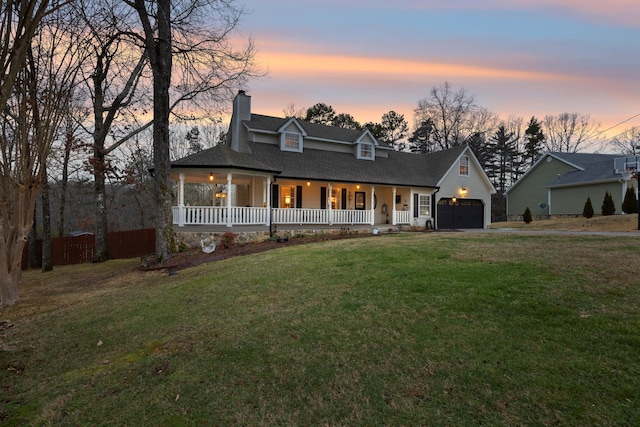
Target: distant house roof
{"type": "Point", "coordinates": [589, 168]}
{"type": "Point", "coordinates": [593, 168]}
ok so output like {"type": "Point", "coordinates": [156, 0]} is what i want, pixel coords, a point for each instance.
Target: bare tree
{"type": "Point", "coordinates": [569, 132]}
{"type": "Point", "coordinates": [33, 110]}
{"type": "Point", "coordinates": [210, 70]}
{"type": "Point", "coordinates": [292, 111]}
{"type": "Point", "coordinates": [450, 114]}
{"type": "Point", "coordinates": [19, 22]}
{"type": "Point", "coordinates": [628, 142]}
{"type": "Point", "coordinates": [137, 43]}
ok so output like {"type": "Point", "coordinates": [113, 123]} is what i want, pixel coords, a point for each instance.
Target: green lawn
{"type": "Point", "coordinates": [399, 330]}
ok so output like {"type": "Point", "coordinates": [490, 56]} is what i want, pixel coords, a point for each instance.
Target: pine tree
{"type": "Point", "coordinates": [608, 207]}
{"type": "Point", "coordinates": [587, 212]}
{"type": "Point", "coordinates": [630, 203]}
{"type": "Point", "coordinates": [534, 140]}
{"type": "Point", "coordinates": [526, 217]}
{"type": "Point", "coordinates": [504, 151]}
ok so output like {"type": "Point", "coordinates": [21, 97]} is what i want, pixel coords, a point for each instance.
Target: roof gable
{"type": "Point", "coordinates": [588, 167]}
{"type": "Point", "coordinates": [292, 125]}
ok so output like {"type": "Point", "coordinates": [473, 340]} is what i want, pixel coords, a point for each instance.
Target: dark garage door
{"type": "Point", "coordinates": [466, 213]}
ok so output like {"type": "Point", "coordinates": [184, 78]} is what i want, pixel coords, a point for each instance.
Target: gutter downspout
{"type": "Point", "coordinates": [435, 210]}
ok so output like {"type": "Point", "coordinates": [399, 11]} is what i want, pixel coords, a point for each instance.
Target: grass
{"type": "Point", "coordinates": [409, 329]}
{"type": "Point", "coordinates": [617, 223]}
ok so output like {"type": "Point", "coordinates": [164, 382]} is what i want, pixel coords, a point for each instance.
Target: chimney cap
{"type": "Point", "coordinates": [241, 92]}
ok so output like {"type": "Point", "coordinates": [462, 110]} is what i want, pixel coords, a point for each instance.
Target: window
{"type": "Point", "coordinates": [464, 166]}
{"type": "Point", "coordinates": [288, 197]}
{"type": "Point", "coordinates": [424, 205]}
{"type": "Point", "coordinates": [292, 142]}
{"type": "Point", "coordinates": [365, 151]}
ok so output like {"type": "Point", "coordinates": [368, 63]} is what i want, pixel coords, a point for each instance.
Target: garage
{"type": "Point", "coordinates": [464, 213]}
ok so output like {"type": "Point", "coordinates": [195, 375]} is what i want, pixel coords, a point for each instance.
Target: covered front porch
{"type": "Point", "coordinates": [239, 199]}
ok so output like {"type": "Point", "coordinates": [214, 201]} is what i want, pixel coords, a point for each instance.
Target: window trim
{"type": "Point", "coordinates": [462, 166]}
{"type": "Point", "coordinates": [283, 141]}
{"type": "Point", "coordinates": [361, 146]}
{"type": "Point", "coordinates": [428, 204]}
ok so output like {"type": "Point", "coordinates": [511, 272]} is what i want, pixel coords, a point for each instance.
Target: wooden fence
{"type": "Point", "coordinates": [80, 249]}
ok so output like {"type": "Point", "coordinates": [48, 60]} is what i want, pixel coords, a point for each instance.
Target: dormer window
{"type": "Point", "coordinates": [365, 151]}
{"type": "Point", "coordinates": [291, 141]}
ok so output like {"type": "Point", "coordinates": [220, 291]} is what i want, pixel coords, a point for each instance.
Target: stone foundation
{"type": "Point", "coordinates": [192, 240]}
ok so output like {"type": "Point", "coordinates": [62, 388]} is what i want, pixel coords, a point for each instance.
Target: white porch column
{"type": "Point", "coordinates": [229, 179]}
{"type": "Point", "coordinates": [373, 205]}
{"type": "Point", "coordinates": [181, 213]}
{"type": "Point", "coordinates": [267, 200]}
{"type": "Point", "coordinates": [393, 207]}
{"type": "Point", "coordinates": [329, 197]}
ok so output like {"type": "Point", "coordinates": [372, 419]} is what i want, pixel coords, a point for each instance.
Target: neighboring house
{"type": "Point", "coordinates": [287, 172]}
{"type": "Point", "coordinates": [560, 183]}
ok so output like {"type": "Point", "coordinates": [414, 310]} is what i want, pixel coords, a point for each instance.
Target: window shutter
{"type": "Point", "coordinates": [415, 205]}
{"type": "Point", "coordinates": [344, 199]}
{"type": "Point", "coordinates": [323, 197]}
{"type": "Point", "coordinates": [299, 196]}
{"type": "Point", "coordinates": [275, 200]}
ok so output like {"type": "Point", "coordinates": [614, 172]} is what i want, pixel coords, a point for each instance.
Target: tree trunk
{"type": "Point", "coordinates": [10, 273]}
{"type": "Point", "coordinates": [65, 180]}
{"type": "Point", "coordinates": [101, 231]}
{"type": "Point", "coordinates": [46, 224]}
{"type": "Point", "coordinates": [33, 261]}
{"type": "Point", "coordinates": [160, 57]}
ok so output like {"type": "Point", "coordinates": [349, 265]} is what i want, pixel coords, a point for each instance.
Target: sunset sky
{"type": "Point", "coordinates": [516, 57]}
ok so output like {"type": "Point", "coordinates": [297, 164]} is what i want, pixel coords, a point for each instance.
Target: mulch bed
{"type": "Point", "coordinates": [195, 256]}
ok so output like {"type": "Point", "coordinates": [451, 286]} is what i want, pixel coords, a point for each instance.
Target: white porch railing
{"type": "Point", "coordinates": [215, 215]}
{"type": "Point", "coordinates": [299, 216]}
{"type": "Point", "coordinates": [403, 217]}
{"type": "Point", "coordinates": [351, 217]}
{"type": "Point", "coordinates": [320, 216]}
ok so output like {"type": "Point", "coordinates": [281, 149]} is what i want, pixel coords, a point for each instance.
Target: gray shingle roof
{"type": "Point", "coordinates": [595, 168]}
{"type": "Point", "coordinates": [398, 169]}
{"type": "Point", "coordinates": [402, 169]}
{"type": "Point", "coordinates": [222, 156]}
{"type": "Point", "coordinates": [271, 124]}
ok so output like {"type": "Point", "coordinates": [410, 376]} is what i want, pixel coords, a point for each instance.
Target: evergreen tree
{"type": "Point", "coordinates": [534, 138]}
{"type": "Point", "coordinates": [504, 153]}
{"type": "Point", "coordinates": [526, 217]}
{"type": "Point", "coordinates": [608, 208]}
{"type": "Point", "coordinates": [320, 113]}
{"type": "Point", "coordinates": [587, 212]}
{"type": "Point", "coordinates": [421, 139]}
{"type": "Point", "coordinates": [630, 203]}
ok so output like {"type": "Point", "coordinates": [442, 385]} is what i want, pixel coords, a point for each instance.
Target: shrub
{"type": "Point", "coordinates": [228, 239]}
{"type": "Point", "coordinates": [587, 212]}
{"type": "Point", "coordinates": [630, 203]}
{"type": "Point", "coordinates": [526, 217]}
{"type": "Point", "coordinates": [608, 208]}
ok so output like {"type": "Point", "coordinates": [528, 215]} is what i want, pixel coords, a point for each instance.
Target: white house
{"type": "Point", "coordinates": [287, 172]}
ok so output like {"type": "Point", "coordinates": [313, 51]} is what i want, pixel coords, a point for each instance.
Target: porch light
{"type": "Point", "coordinates": [454, 200]}
{"type": "Point", "coordinates": [358, 187]}
{"type": "Point", "coordinates": [464, 191]}
{"type": "Point", "coordinates": [287, 200]}
{"type": "Point", "coordinates": [211, 177]}
{"type": "Point", "coordinates": [308, 183]}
